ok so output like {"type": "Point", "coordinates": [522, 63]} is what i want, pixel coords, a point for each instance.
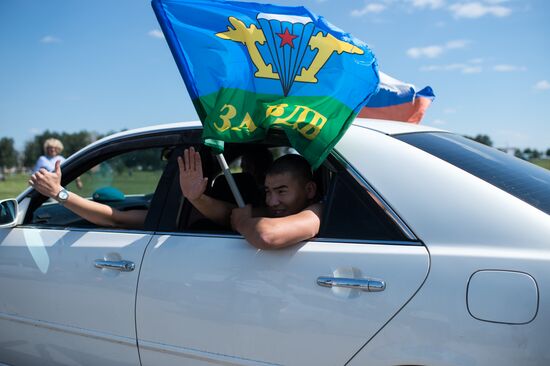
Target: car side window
{"type": "Point", "coordinates": [350, 213]}
{"type": "Point", "coordinates": [125, 182]}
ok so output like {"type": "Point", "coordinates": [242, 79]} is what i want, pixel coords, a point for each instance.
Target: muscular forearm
{"type": "Point", "coordinates": [94, 212]}
{"type": "Point", "coordinates": [215, 210]}
{"type": "Point", "coordinates": [104, 215]}
{"type": "Point", "coordinates": [280, 232]}
{"type": "Point", "coordinates": [49, 184]}
{"type": "Point", "coordinates": [270, 233]}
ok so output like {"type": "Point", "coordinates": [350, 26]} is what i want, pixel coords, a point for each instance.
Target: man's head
{"type": "Point", "coordinates": [289, 185]}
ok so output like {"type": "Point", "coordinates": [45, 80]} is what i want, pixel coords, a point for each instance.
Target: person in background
{"type": "Point", "coordinates": [52, 153]}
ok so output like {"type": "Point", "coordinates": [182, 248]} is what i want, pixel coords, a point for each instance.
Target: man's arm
{"type": "Point", "coordinates": [280, 232]}
{"type": "Point", "coordinates": [49, 184]}
{"type": "Point", "coordinates": [193, 186]}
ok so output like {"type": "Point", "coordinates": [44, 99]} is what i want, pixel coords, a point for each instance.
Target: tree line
{"type": "Point", "coordinates": [72, 142]}
{"type": "Point", "coordinates": [525, 154]}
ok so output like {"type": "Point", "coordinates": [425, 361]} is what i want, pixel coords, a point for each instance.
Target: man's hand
{"type": "Point", "coordinates": [192, 181]}
{"type": "Point", "coordinates": [240, 216]}
{"type": "Point", "coordinates": [47, 183]}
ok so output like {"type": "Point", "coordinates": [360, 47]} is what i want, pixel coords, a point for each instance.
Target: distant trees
{"type": "Point", "coordinates": [530, 154]}
{"type": "Point", "coordinates": [8, 154]}
{"type": "Point", "coordinates": [72, 142]}
{"type": "Point", "coordinates": [482, 139]}
{"type": "Point", "coordinates": [525, 154]}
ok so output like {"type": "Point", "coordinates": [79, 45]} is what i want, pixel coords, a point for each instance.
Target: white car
{"type": "Point", "coordinates": [433, 250]}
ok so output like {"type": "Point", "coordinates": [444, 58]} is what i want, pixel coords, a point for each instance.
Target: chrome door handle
{"type": "Point", "coordinates": [123, 266]}
{"type": "Point", "coordinates": [363, 284]}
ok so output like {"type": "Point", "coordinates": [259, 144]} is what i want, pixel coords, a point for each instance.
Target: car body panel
{"type": "Point", "coordinates": [468, 225]}
{"type": "Point", "coordinates": [221, 301]}
{"type": "Point", "coordinates": [56, 307]}
{"type": "Point", "coordinates": [436, 328]}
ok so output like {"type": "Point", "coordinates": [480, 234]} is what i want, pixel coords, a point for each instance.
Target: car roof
{"type": "Point", "coordinates": [382, 126]}
{"type": "Point", "coordinates": [393, 127]}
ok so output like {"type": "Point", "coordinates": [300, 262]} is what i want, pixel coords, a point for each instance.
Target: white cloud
{"type": "Point", "coordinates": [35, 130]}
{"type": "Point", "coordinates": [450, 67]}
{"type": "Point", "coordinates": [508, 68]}
{"type": "Point", "coordinates": [542, 85]}
{"type": "Point", "coordinates": [449, 111]}
{"type": "Point", "coordinates": [432, 4]}
{"type": "Point", "coordinates": [471, 70]}
{"type": "Point", "coordinates": [434, 51]}
{"type": "Point", "coordinates": [439, 122]}
{"type": "Point", "coordinates": [477, 10]}
{"type": "Point", "coordinates": [459, 43]}
{"type": "Point", "coordinates": [50, 39]}
{"type": "Point", "coordinates": [478, 60]}
{"type": "Point", "coordinates": [463, 68]}
{"type": "Point", "coordinates": [155, 33]}
{"type": "Point", "coordinates": [429, 52]}
{"type": "Point", "coordinates": [374, 8]}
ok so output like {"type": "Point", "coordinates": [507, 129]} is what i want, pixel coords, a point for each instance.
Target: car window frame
{"type": "Point", "coordinates": [335, 162]}
{"type": "Point", "coordinates": [85, 160]}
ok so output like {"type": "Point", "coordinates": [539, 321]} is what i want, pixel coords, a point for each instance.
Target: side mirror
{"type": "Point", "coordinates": [8, 213]}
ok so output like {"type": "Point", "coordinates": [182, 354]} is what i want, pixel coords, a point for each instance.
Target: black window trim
{"type": "Point", "coordinates": [377, 198]}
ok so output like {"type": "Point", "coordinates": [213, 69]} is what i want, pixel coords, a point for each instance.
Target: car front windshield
{"type": "Point", "coordinates": [524, 180]}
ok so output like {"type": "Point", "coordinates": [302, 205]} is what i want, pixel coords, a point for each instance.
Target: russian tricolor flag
{"type": "Point", "coordinates": [398, 101]}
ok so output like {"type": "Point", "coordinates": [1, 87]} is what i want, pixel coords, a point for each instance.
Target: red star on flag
{"type": "Point", "coordinates": [287, 38]}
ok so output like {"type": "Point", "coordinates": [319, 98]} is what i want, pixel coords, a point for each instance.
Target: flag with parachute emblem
{"type": "Point", "coordinates": [249, 67]}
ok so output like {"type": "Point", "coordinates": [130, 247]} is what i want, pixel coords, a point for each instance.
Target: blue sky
{"type": "Point", "coordinates": [103, 65]}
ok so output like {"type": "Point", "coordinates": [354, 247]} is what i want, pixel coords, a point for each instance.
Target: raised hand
{"type": "Point", "coordinates": [47, 183]}
{"type": "Point", "coordinates": [192, 181]}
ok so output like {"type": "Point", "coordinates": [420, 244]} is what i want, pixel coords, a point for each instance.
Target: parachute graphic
{"type": "Point", "coordinates": [287, 39]}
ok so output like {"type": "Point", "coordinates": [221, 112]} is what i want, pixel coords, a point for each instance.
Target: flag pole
{"type": "Point", "coordinates": [230, 180]}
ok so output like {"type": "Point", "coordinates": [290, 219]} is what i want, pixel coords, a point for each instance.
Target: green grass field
{"type": "Point", "coordinates": [13, 185]}
{"type": "Point", "coordinates": [545, 163]}
{"type": "Point", "coordinates": [138, 182]}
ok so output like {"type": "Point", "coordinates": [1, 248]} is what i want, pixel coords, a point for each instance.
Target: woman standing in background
{"type": "Point", "coordinates": [52, 150]}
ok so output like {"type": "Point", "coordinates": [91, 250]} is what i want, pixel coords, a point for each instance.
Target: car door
{"type": "Point", "coordinates": [68, 287]}
{"type": "Point", "coordinates": [211, 298]}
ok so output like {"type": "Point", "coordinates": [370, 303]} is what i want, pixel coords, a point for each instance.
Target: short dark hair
{"type": "Point", "coordinates": [294, 164]}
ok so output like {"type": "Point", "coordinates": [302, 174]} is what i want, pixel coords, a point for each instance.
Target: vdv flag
{"type": "Point", "coordinates": [398, 101]}
{"type": "Point", "coordinates": [249, 67]}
